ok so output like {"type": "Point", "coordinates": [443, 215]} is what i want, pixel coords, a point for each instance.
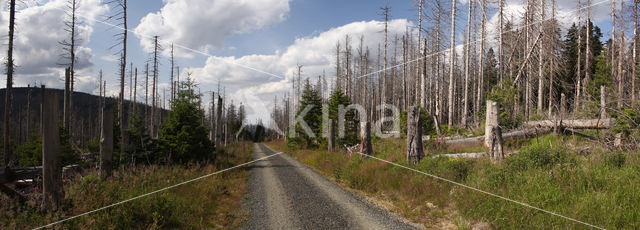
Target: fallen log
{"type": "Point", "coordinates": [574, 124]}
{"type": "Point", "coordinates": [479, 140]}
{"type": "Point", "coordinates": [470, 155]}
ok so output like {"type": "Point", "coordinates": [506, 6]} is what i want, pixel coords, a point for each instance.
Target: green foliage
{"type": "Point", "coordinates": [539, 156]}
{"type": "Point", "coordinates": [627, 121]}
{"type": "Point", "coordinates": [313, 118]}
{"type": "Point", "coordinates": [506, 97]}
{"type": "Point", "coordinates": [142, 148]}
{"type": "Point", "coordinates": [351, 121]}
{"type": "Point", "coordinates": [182, 135]}
{"type": "Point", "coordinates": [30, 153]}
{"type": "Point", "coordinates": [68, 154]}
{"type": "Point", "coordinates": [601, 77]}
{"type": "Point", "coordinates": [570, 56]}
{"type": "Point", "coordinates": [427, 122]}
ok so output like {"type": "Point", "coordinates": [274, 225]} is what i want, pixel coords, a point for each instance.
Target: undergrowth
{"type": "Point", "coordinates": [599, 188]}
{"type": "Point", "coordinates": [212, 202]}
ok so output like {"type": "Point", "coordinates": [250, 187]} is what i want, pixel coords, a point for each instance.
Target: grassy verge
{"type": "Point", "coordinates": [598, 187]}
{"type": "Point", "coordinates": [212, 202]}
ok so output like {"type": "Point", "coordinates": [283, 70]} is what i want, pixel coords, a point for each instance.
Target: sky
{"type": "Point", "coordinates": [250, 47]}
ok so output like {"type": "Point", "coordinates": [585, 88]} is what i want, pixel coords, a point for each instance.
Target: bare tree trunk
{"type": "Point", "coordinates": [154, 89]}
{"type": "Point", "coordinates": [106, 142]}
{"type": "Point", "coordinates": [66, 106]}
{"type": "Point", "coordinates": [500, 40]}
{"type": "Point", "coordinates": [578, 98]}
{"type": "Point", "coordinates": [331, 136]}
{"type": "Point", "coordinates": [414, 135]}
{"type": "Point", "coordinates": [51, 168]}
{"type": "Point", "coordinates": [365, 137]}
{"type": "Point", "coordinates": [541, 58]}
{"type": "Point", "coordinates": [135, 93]}
{"type": "Point", "coordinates": [465, 102]}
{"type": "Point", "coordinates": [8, 92]}
{"type": "Point", "coordinates": [634, 57]}
{"type": "Point", "coordinates": [483, 35]}
{"type": "Point", "coordinates": [385, 13]}
{"type": "Point", "coordinates": [620, 73]}
{"type": "Point", "coordinates": [452, 55]}
{"type": "Point", "coordinates": [421, 54]}
{"type": "Point", "coordinates": [587, 56]}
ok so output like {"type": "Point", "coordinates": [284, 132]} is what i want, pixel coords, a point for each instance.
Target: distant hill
{"type": "Point", "coordinates": [85, 114]}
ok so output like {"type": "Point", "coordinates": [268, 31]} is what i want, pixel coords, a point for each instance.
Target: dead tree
{"type": "Point", "coordinates": [154, 103]}
{"type": "Point", "coordinates": [67, 102]}
{"type": "Point", "coordinates": [492, 132]}
{"type": "Point", "coordinates": [51, 165]}
{"type": "Point", "coordinates": [219, 122]}
{"type": "Point", "coordinates": [451, 63]}
{"type": "Point", "coordinates": [634, 56]}
{"type": "Point", "coordinates": [414, 136]}
{"type": "Point", "coordinates": [465, 103]}
{"type": "Point", "coordinates": [331, 136]}
{"type": "Point", "coordinates": [106, 142]}
{"type": "Point", "coordinates": [171, 76]}
{"type": "Point", "coordinates": [70, 47]}
{"type": "Point", "coordinates": [8, 92]}
{"type": "Point", "coordinates": [121, 16]}
{"type": "Point", "coordinates": [365, 138]}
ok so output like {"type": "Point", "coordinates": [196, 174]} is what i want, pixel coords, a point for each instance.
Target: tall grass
{"type": "Point", "coordinates": [213, 202]}
{"type": "Point", "coordinates": [600, 188]}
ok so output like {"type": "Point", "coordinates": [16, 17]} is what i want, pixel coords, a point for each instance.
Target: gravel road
{"type": "Point", "coordinates": [285, 194]}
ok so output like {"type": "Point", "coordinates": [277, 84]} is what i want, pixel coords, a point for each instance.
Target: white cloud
{"type": "Point", "coordinates": [39, 29]}
{"type": "Point", "coordinates": [316, 53]}
{"type": "Point", "coordinates": [210, 23]}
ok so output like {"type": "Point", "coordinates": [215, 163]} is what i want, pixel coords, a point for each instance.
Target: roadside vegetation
{"type": "Point", "coordinates": [566, 175]}
{"type": "Point", "coordinates": [212, 202]}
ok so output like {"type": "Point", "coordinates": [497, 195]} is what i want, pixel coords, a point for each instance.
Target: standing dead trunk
{"type": "Point", "coordinates": [603, 104]}
{"type": "Point", "coordinates": [8, 94]}
{"type": "Point", "coordinates": [67, 107]}
{"type": "Point", "coordinates": [414, 136]}
{"type": "Point", "coordinates": [106, 142]}
{"type": "Point", "coordinates": [219, 123]}
{"type": "Point", "coordinates": [51, 168]}
{"type": "Point", "coordinates": [465, 102]}
{"type": "Point", "coordinates": [451, 63]}
{"type": "Point", "coordinates": [365, 138]}
{"type": "Point", "coordinates": [331, 136]}
{"type": "Point", "coordinates": [493, 134]}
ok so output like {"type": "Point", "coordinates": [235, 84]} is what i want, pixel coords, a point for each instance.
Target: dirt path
{"type": "Point", "coordinates": [285, 194]}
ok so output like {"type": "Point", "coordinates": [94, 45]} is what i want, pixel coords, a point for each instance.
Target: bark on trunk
{"type": "Point", "coordinates": [51, 170]}
{"type": "Point", "coordinates": [414, 135]}
{"type": "Point", "coordinates": [365, 138]}
{"type": "Point", "coordinates": [106, 142]}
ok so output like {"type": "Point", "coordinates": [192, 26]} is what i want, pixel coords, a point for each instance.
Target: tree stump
{"type": "Point", "coordinates": [331, 136]}
{"type": "Point", "coordinates": [365, 138]}
{"type": "Point", "coordinates": [492, 132]}
{"type": "Point", "coordinates": [51, 168]}
{"type": "Point", "coordinates": [106, 142]}
{"type": "Point", "coordinates": [414, 135]}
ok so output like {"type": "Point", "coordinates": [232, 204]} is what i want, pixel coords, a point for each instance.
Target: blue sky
{"type": "Point", "coordinates": [269, 35]}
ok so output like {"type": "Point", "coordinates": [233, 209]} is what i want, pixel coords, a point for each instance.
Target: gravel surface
{"type": "Point", "coordinates": [285, 194]}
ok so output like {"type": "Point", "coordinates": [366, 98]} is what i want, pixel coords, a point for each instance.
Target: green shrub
{"type": "Point", "coordinates": [539, 156]}
{"type": "Point", "coordinates": [427, 122]}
